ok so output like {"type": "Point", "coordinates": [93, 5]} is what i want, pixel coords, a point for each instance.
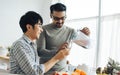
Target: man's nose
{"type": "Point", "coordinates": [60, 20]}
{"type": "Point", "coordinates": [41, 29]}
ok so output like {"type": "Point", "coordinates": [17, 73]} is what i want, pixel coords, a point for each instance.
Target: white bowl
{"type": "Point", "coordinates": [3, 51]}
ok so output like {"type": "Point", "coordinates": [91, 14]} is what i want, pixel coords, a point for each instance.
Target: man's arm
{"type": "Point", "coordinates": [41, 46]}
{"type": "Point", "coordinates": [59, 56]}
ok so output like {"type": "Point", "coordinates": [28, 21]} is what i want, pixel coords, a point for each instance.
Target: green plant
{"type": "Point", "coordinates": [112, 65]}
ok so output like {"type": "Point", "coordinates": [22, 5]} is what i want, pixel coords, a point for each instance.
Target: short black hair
{"type": "Point", "coordinates": [31, 18]}
{"type": "Point", "coordinates": [57, 7]}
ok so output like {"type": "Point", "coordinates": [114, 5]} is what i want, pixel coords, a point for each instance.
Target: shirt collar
{"type": "Point", "coordinates": [53, 26]}
{"type": "Point", "coordinates": [27, 39]}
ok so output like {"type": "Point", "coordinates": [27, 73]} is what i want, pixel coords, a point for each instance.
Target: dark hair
{"type": "Point", "coordinates": [31, 18]}
{"type": "Point", "coordinates": [57, 7]}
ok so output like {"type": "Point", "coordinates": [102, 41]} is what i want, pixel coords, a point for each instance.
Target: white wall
{"type": "Point", "coordinates": [10, 13]}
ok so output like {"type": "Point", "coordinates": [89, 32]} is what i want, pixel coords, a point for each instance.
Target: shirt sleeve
{"type": "Point", "coordinates": [26, 63]}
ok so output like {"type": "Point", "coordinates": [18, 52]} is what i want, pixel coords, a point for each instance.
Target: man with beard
{"type": "Point", "coordinates": [57, 36]}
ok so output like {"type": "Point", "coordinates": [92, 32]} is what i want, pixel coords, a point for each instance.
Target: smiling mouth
{"type": "Point", "coordinates": [59, 25]}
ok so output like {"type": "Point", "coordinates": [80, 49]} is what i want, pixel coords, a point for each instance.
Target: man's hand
{"type": "Point", "coordinates": [62, 54]}
{"type": "Point", "coordinates": [63, 46]}
{"type": "Point", "coordinates": [55, 73]}
{"type": "Point", "coordinates": [86, 31]}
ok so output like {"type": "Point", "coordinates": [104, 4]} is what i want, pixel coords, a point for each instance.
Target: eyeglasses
{"type": "Point", "coordinates": [57, 18]}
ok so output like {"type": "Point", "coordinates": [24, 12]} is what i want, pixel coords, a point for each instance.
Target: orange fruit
{"type": "Point", "coordinates": [80, 72]}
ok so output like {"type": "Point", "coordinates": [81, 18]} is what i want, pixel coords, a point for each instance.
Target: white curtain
{"type": "Point", "coordinates": [79, 55]}
{"type": "Point", "coordinates": [109, 39]}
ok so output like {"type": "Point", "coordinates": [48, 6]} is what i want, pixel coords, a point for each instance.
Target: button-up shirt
{"type": "Point", "coordinates": [24, 58]}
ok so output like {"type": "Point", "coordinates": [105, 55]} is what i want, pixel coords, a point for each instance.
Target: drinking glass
{"type": "Point", "coordinates": [70, 44]}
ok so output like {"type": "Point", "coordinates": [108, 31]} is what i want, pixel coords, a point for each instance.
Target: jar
{"type": "Point", "coordinates": [3, 51]}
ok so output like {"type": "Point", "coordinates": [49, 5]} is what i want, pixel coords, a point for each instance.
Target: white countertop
{"type": "Point", "coordinates": [7, 74]}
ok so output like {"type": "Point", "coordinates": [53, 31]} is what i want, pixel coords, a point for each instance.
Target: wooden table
{"type": "Point", "coordinates": [4, 57]}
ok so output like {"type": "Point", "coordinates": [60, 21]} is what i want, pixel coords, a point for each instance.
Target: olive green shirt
{"type": "Point", "coordinates": [49, 42]}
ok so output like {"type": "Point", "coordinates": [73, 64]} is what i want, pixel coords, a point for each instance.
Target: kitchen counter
{"type": "Point", "coordinates": [4, 57]}
{"type": "Point", "coordinates": [8, 74]}
{"type": "Point", "coordinates": [4, 62]}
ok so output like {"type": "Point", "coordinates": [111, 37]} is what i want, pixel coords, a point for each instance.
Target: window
{"type": "Point", "coordinates": [81, 8]}
{"type": "Point", "coordinates": [81, 13]}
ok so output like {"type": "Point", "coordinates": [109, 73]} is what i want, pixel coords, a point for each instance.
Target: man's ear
{"type": "Point", "coordinates": [28, 26]}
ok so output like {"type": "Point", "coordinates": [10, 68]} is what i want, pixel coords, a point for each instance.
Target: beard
{"type": "Point", "coordinates": [59, 25]}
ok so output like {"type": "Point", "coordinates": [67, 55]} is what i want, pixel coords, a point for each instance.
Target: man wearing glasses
{"type": "Point", "coordinates": [56, 36]}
